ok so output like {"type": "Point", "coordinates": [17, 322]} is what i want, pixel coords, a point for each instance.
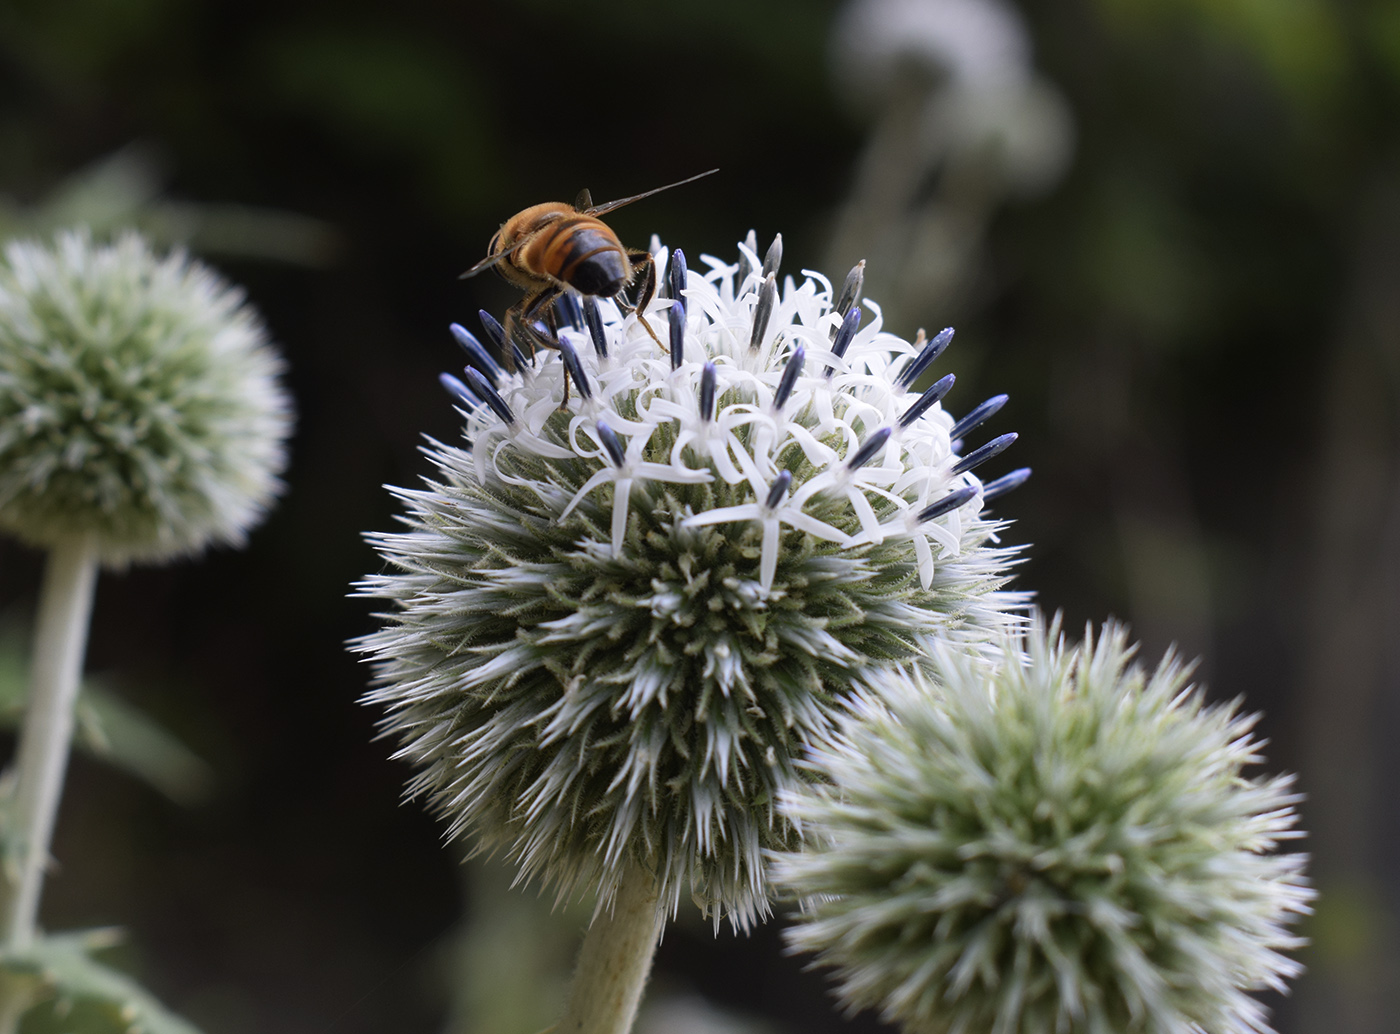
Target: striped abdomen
{"type": "Point", "coordinates": [578, 250]}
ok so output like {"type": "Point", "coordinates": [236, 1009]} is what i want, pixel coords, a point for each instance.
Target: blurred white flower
{"type": "Point", "coordinates": [974, 43]}
{"type": "Point", "coordinates": [961, 124]}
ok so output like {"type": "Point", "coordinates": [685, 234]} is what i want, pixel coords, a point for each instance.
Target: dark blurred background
{"type": "Point", "coordinates": [1170, 229]}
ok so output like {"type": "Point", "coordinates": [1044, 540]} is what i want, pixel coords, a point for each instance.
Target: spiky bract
{"type": "Point", "coordinates": [1059, 843]}
{"type": "Point", "coordinates": [139, 401]}
{"type": "Point", "coordinates": [588, 668]}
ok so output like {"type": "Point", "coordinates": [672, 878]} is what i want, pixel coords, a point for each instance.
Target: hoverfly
{"type": "Point", "coordinates": [548, 248]}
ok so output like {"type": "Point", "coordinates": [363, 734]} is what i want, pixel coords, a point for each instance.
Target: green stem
{"type": "Point", "coordinates": [60, 641]}
{"type": "Point", "coordinates": [615, 960]}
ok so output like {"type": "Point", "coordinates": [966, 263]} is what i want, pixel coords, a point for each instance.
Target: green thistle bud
{"type": "Point", "coordinates": [621, 611]}
{"type": "Point", "coordinates": [139, 401]}
{"type": "Point", "coordinates": [1059, 842]}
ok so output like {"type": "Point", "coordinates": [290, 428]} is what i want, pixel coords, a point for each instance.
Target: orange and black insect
{"type": "Point", "coordinates": [550, 248]}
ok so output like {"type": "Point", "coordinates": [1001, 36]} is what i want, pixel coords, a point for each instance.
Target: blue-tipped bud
{"type": "Point", "coordinates": [458, 390]}
{"type": "Point", "coordinates": [678, 275]}
{"type": "Point", "coordinates": [574, 367]}
{"type": "Point", "coordinates": [676, 320]}
{"type": "Point", "coordinates": [791, 372]}
{"type": "Point", "coordinates": [488, 393]}
{"type": "Point", "coordinates": [567, 311]}
{"type": "Point", "coordinates": [707, 392]}
{"type": "Point", "coordinates": [940, 388]}
{"type": "Point", "coordinates": [613, 444]}
{"type": "Point", "coordinates": [767, 298]}
{"type": "Point", "coordinates": [594, 318]}
{"type": "Point", "coordinates": [993, 448]}
{"type": "Point", "coordinates": [947, 504]}
{"type": "Point", "coordinates": [745, 266]}
{"type": "Point", "coordinates": [781, 484]}
{"type": "Point", "coordinates": [494, 330]}
{"type": "Point", "coordinates": [845, 335]}
{"type": "Point", "coordinates": [851, 289]}
{"type": "Point", "coordinates": [1006, 483]}
{"type": "Point", "coordinates": [476, 355]}
{"type": "Point", "coordinates": [924, 359]}
{"type": "Point", "coordinates": [774, 258]}
{"type": "Point", "coordinates": [978, 416]}
{"type": "Point", "coordinates": [867, 451]}
{"type": "Point", "coordinates": [521, 359]}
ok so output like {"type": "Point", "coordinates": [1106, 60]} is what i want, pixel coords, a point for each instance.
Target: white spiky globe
{"type": "Point", "coordinates": [647, 576]}
{"type": "Point", "coordinates": [1056, 841]}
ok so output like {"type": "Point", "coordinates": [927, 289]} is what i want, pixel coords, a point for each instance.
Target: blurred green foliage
{"type": "Point", "coordinates": [109, 728]}
{"type": "Point", "coordinates": [79, 995]}
{"type": "Point", "coordinates": [124, 190]}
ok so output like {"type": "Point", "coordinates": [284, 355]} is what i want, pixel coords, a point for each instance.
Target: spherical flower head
{"type": "Point", "coordinates": [140, 402]}
{"type": "Point", "coordinates": [1059, 842]}
{"type": "Point", "coordinates": [634, 593]}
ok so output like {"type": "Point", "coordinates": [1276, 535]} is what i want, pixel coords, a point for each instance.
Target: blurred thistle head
{"type": "Point", "coordinates": [641, 585]}
{"type": "Point", "coordinates": [140, 402]}
{"type": "Point", "coordinates": [1056, 842]}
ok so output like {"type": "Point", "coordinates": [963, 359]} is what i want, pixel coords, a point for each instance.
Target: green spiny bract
{"type": "Point", "coordinates": [1060, 842]}
{"type": "Point", "coordinates": [139, 401]}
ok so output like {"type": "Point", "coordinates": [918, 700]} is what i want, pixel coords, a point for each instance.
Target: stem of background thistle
{"type": "Point", "coordinates": [615, 960]}
{"type": "Point", "coordinates": [60, 641]}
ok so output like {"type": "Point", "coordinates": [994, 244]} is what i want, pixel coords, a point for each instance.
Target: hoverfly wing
{"type": "Point", "coordinates": [491, 260]}
{"type": "Point", "coordinates": [584, 202]}
{"type": "Point", "coordinates": [484, 264]}
{"type": "Point", "coordinates": [610, 206]}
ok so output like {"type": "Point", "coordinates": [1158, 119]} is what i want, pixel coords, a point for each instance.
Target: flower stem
{"type": "Point", "coordinates": [60, 641]}
{"type": "Point", "coordinates": [615, 960]}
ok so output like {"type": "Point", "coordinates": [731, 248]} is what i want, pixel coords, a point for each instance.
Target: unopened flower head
{"type": "Point", "coordinates": [1061, 842]}
{"type": "Point", "coordinates": [140, 402]}
{"type": "Point", "coordinates": [637, 590]}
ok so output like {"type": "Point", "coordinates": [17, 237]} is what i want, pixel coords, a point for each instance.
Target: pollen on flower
{"type": "Point", "coordinates": [644, 579]}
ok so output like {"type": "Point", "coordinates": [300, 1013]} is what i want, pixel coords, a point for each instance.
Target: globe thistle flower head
{"type": "Point", "coordinates": [1057, 842]}
{"type": "Point", "coordinates": [140, 401]}
{"type": "Point", "coordinates": [636, 590]}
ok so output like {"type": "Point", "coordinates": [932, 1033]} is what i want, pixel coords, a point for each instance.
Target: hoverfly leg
{"type": "Point", "coordinates": [515, 339]}
{"type": "Point", "coordinates": [541, 300]}
{"type": "Point", "coordinates": [520, 328]}
{"type": "Point", "coordinates": [551, 322]}
{"type": "Point", "coordinates": [642, 263]}
{"type": "Point", "coordinates": [528, 313]}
